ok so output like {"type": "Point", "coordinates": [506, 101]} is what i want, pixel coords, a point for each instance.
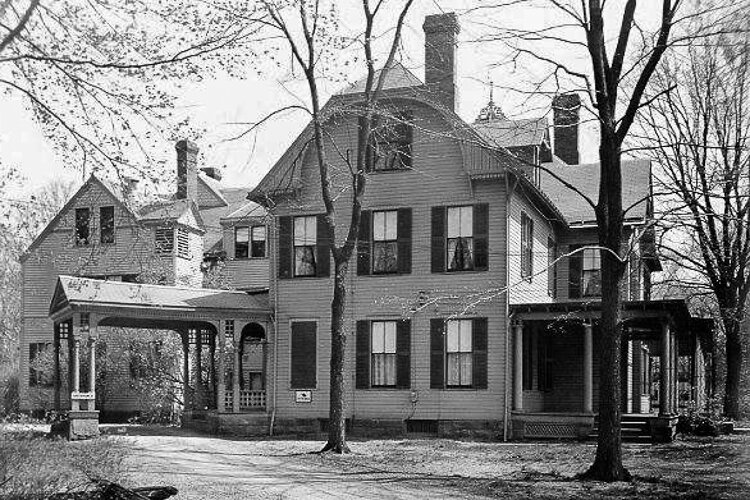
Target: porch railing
{"type": "Point", "coordinates": [249, 400]}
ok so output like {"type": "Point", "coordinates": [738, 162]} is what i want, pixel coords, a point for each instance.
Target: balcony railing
{"type": "Point", "coordinates": [249, 400]}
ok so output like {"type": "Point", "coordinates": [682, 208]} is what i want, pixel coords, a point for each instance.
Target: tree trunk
{"type": "Point", "coordinates": [337, 411]}
{"type": "Point", "coordinates": [734, 369]}
{"type": "Point", "coordinates": [607, 465]}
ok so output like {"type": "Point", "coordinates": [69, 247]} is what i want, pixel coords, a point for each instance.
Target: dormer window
{"type": "Point", "coordinates": [250, 242]}
{"type": "Point", "coordinates": [391, 140]}
{"type": "Point", "coordinates": [107, 225]}
{"type": "Point", "coordinates": [83, 227]}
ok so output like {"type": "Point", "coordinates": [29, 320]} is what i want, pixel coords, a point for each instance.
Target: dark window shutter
{"type": "Point", "coordinates": [304, 354]}
{"type": "Point", "coordinates": [575, 267]}
{"type": "Point", "coordinates": [285, 247]}
{"type": "Point", "coordinates": [404, 240]}
{"type": "Point", "coordinates": [323, 257]}
{"type": "Point", "coordinates": [438, 239]}
{"type": "Point", "coordinates": [437, 354]}
{"type": "Point", "coordinates": [403, 354]}
{"type": "Point", "coordinates": [480, 232]}
{"type": "Point", "coordinates": [363, 244]}
{"type": "Point", "coordinates": [479, 343]}
{"type": "Point", "coordinates": [363, 355]}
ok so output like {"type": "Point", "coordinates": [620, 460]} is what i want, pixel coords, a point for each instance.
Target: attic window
{"type": "Point", "coordinates": [107, 224]}
{"type": "Point", "coordinates": [83, 229]}
{"type": "Point", "coordinates": [391, 142]}
{"type": "Point", "coordinates": [183, 247]}
{"type": "Point", "coordinates": [164, 240]}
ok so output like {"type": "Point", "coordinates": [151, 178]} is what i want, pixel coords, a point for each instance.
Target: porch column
{"type": "Point", "coordinates": [186, 370]}
{"type": "Point", "coordinates": [675, 380]}
{"type": "Point", "coordinates": [588, 367]}
{"type": "Point", "coordinates": [220, 384]}
{"type": "Point", "coordinates": [76, 385]}
{"type": "Point", "coordinates": [199, 399]}
{"type": "Point", "coordinates": [236, 372]}
{"type": "Point", "coordinates": [56, 344]}
{"type": "Point", "coordinates": [92, 372]}
{"type": "Point", "coordinates": [664, 371]}
{"type": "Point", "coordinates": [212, 369]}
{"type": "Point", "coordinates": [518, 366]}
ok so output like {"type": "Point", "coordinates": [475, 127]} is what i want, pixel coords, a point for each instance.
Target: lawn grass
{"type": "Point", "coordinates": [33, 466]}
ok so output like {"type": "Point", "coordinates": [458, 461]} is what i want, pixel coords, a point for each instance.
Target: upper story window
{"type": "Point", "coordinates": [107, 225]}
{"type": "Point", "coordinates": [551, 267]}
{"type": "Point", "coordinates": [83, 226]}
{"type": "Point", "coordinates": [391, 142]}
{"type": "Point", "coordinates": [383, 346]}
{"type": "Point", "coordinates": [385, 242]}
{"type": "Point", "coordinates": [527, 246]}
{"type": "Point", "coordinates": [591, 274]}
{"type": "Point", "coordinates": [460, 238]}
{"type": "Point", "coordinates": [249, 242]}
{"type": "Point", "coordinates": [305, 241]}
{"type": "Point", "coordinates": [164, 240]}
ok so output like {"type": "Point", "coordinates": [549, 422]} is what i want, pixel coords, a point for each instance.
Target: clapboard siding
{"type": "Point", "coordinates": [437, 179]}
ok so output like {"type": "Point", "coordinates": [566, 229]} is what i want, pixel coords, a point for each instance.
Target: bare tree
{"type": "Point", "coordinates": [309, 29]}
{"type": "Point", "coordinates": [620, 64]}
{"type": "Point", "coordinates": [697, 130]}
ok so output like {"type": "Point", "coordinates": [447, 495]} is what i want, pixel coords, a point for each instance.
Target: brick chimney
{"type": "Point", "coordinates": [566, 110]}
{"type": "Point", "coordinates": [440, 39]}
{"type": "Point", "coordinates": [187, 170]}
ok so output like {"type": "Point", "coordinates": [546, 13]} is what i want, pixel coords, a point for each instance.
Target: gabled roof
{"type": "Point", "coordinates": [636, 188]}
{"type": "Point", "coordinates": [172, 210]}
{"type": "Point", "coordinates": [93, 180]}
{"type": "Point", "coordinates": [249, 210]}
{"type": "Point", "coordinates": [236, 199]}
{"type": "Point", "coordinates": [77, 291]}
{"type": "Point", "coordinates": [214, 188]}
{"type": "Point", "coordinates": [398, 77]}
{"type": "Point", "coordinates": [513, 133]}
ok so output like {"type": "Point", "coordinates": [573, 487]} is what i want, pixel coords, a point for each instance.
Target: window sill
{"type": "Point", "coordinates": [249, 258]}
{"type": "Point", "coordinates": [391, 170]}
{"type": "Point", "coordinates": [465, 388]}
{"type": "Point", "coordinates": [468, 271]}
{"type": "Point", "coordinates": [388, 388]}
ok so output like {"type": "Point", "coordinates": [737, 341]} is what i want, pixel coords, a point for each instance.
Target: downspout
{"type": "Point", "coordinates": [506, 394]}
{"type": "Point", "coordinates": [275, 341]}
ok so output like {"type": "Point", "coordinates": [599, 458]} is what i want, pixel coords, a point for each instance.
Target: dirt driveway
{"type": "Point", "coordinates": [212, 468]}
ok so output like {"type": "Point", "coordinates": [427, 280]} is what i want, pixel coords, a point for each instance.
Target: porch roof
{"type": "Point", "coordinates": [79, 292]}
{"type": "Point", "coordinates": [634, 312]}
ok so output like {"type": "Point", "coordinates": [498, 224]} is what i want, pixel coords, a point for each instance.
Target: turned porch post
{"type": "Point", "coordinates": [518, 368]}
{"type": "Point", "coordinates": [186, 370]}
{"type": "Point", "coordinates": [76, 385]}
{"type": "Point", "coordinates": [236, 372]}
{"type": "Point", "coordinates": [220, 384]}
{"type": "Point", "coordinates": [664, 371]}
{"type": "Point", "coordinates": [92, 372]}
{"type": "Point", "coordinates": [588, 367]}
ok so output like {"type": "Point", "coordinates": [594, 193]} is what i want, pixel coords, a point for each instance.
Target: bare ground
{"type": "Point", "coordinates": [212, 468]}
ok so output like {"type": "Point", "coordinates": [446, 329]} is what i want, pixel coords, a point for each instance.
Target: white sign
{"type": "Point", "coordinates": [303, 396]}
{"type": "Point", "coordinates": [82, 395]}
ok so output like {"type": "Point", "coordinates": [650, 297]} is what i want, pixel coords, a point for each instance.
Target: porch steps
{"type": "Point", "coordinates": [635, 429]}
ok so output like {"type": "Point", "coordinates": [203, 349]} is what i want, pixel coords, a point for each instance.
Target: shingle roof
{"type": "Point", "coordinates": [73, 290]}
{"type": "Point", "coordinates": [397, 77]}
{"type": "Point", "coordinates": [636, 187]}
{"type": "Point", "coordinates": [510, 133]}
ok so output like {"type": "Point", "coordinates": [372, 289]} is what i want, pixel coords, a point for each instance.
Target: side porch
{"type": "Point", "coordinates": [221, 336]}
{"type": "Point", "coordinates": [556, 366]}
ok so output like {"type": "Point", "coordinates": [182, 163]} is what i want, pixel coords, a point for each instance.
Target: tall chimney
{"type": "Point", "coordinates": [187, 170]}
{"type": "Point", "coordinates": [566, 110]}
{"type": "Point", "coordinates": [440, 39]}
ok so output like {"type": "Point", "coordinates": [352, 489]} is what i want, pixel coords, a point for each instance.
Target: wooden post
{"type": "Point", "coordinates": [675, 380]}
{"type": "Point", "coordinates": [588, 368]}
{"type": "Point", "coordinates": [220, 383]}
{"type": "Point", "coordinates": [92, 372]}
{"type": "Point", "coordinates": [199, 392]}
{"type": "Point", "coordinates": [56, 346]}
{"type": "Point", "coordinates": [212, 369]}
{"type": "Point", "coordinates": [186, 370]}
{"type": "Point", "coordinates": [236, 373]}
{"type": "Point", "coordinates": [76, 385]}
{"type": "Point", "coordinates": [518, 365]}
{"type": "Point", "coordinates": [664, 398]}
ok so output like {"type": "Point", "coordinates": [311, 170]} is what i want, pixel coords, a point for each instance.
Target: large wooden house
{"type": "Point", "coordinates": [473, 303]}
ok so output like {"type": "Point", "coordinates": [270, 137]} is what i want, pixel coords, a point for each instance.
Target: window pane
{"type": "Point", "coordinates": [390, 337]}
{"type": "Point", "coordinates": [259, 233]}
{"type": "Point", "coordinates": [311, 230]}
{"type": "Point", "coordinates": [467, 367]}
{"type": "Point", "coordinates": [465, 336]}
{"type": "Point", "coordinates": [299, 230]}
{"type": "Point", "coordinates": [385, 257]}
{"type": "Point", "coordinates": [453, 376]}
{"type": "Point", "coordinates": [304, 261]}
{"type": "Point", "coordinates": [467, 221]}
{"type": "Point", "coordinates": [454, 222]}
{"type": "Point", "coordinates": [378, 369]}
{"type": "Point", "coordinates": [241, 235]}
{"type": "Point", "coordinates": [378, 334]}
{"type": "Point", "coordinates": [378, 226]}
{"type": "Point", "coordinates": [391, 225]}
{"type": "Point", "coordinates": [460, 254]}
{"type": "Point", "coordinates": [453, 335]}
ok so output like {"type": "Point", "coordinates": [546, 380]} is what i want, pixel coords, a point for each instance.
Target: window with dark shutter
{"type": "Point", "coordinates": [362, 377]}
{"type": "Point", "coordinates": [323, 249]}
{"type": "Point", "coordinates": [304, 355]}
{"type": "Point", "coordinates": [481, 236]}
{"type": "Point", "coordinates": [437, 354]}
{"type": "Point", "coordinates": [285, 247]}
{"type": "Point", "coordinates": [383, 348]}
{"type": "Point", "coordinates": [403, 354]}
{"type": "Point", "coordinates": [404, 240]}
{"type": "Point", "coordinates": [305, 246]}
{"type": "Point", "coordinates": [107, 225]}
{"type": "Point", "coordinates": [438, 239]}
{"type": "Point", "coordinates": [83, 227]}
{"type": "Point", "coordinates": [459, 353]}
{"type": "Point", "coordinates": [479, 339]}
{"type": "Point", "coordinates": [575, 264]}
{"type": "Point", "coordinates": [363, 243]}
{"type": "Point", "coordinates": [385, 242]}
{"type": "Point", "coordinates": [460, 243]}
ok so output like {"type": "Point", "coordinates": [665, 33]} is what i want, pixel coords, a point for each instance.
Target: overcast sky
{"type": "Point", "coordinates": [217, 103]}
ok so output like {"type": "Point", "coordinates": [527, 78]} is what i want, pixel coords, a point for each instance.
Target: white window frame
{"type": "Point", "coordinates": [459, 229]}
{"type": "Point", "coordinates": [459, 349]}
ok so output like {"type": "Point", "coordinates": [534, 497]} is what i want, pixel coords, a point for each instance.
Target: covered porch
{"type": "Point", "coordinates": [223, 334]}
{"type": "Point", "coordinates": [556, 362]}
